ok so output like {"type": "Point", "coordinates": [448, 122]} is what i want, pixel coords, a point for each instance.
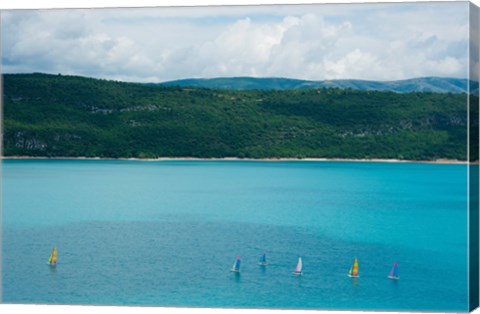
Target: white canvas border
{"type": "Point", "coordinates": [48, 4]}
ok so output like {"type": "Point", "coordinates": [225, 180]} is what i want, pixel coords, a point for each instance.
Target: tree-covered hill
{"type": "Point", "coordinates": [56, 115]}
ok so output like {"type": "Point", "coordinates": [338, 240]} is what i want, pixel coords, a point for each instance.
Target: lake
{"type": "Point", "coordinates": [166, 233]}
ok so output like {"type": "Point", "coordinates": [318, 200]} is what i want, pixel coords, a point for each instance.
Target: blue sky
{"type": "Point", "coordinates": [316, 42]}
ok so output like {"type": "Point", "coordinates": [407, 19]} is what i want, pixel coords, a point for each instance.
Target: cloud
{"type": "Point", "coordinates": [372, 41]}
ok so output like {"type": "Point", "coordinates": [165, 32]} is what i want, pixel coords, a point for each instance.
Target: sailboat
{"type": "Point", "coordinates": [394, 272]}
{"type": "Point", "coordinates": [52, 260]}
{"type": "Point", "coordinates": [298, 269]}
{"type": "Point", "coordinates": [263, 260]}
{"type": "Point", "coordinates": [236, 265]}
{"type": "Point", "coordinates": [354, 269]}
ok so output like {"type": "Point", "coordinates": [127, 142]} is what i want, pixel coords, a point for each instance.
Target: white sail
{"type": "Point", "coordinates": [298, 269]}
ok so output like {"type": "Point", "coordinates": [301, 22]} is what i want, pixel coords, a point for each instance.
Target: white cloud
{"type": "Point", "coordinates": [374, 41]}
{"type": "Point", "coordinates": [356, 63]}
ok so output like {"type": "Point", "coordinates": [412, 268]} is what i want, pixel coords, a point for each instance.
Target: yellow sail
{"type": "Point", "coordinates": [53, 257]}
{"type": "Point", "coordinates": [354, 270]}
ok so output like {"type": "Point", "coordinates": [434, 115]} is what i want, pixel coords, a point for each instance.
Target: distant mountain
{"type": "Point", "coordinates": [426, 84]}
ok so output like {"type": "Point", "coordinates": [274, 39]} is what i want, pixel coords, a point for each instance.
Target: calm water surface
{"type": "Point", "coordinates": [166, 233]}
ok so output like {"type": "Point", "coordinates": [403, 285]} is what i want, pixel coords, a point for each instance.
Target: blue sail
{"type": "Point", "coordinates": [237, 263]}
{"type": "Point", "coordinates": [263, 258]}
{"type": "Point", "coordinates": [394, 272]}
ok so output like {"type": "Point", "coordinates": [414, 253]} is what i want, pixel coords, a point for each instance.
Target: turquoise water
{"type": "Point", "coordinates": [166, 233]}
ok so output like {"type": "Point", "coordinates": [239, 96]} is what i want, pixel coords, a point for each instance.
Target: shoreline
{"type": "Point", "coordinates": [380, 160]}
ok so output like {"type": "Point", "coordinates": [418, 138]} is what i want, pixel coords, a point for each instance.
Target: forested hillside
{"type": "Point", "coordinates": [55, 115]}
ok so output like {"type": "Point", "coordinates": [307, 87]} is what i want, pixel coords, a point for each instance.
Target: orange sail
{"type": "Point", "coordinates": [53, 258]}
{"type": "Point", "coordinates": [354, 269]}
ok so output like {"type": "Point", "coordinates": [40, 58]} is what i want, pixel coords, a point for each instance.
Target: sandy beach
{"type": "Point", "coordinates": [437, 161]}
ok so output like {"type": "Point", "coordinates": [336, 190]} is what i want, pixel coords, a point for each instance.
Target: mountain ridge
{"type": "Point", "coordinates": [421, 84]}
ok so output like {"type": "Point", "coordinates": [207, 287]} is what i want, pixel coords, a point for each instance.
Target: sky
{"type": "Point", "coordinates": [375, 41]}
